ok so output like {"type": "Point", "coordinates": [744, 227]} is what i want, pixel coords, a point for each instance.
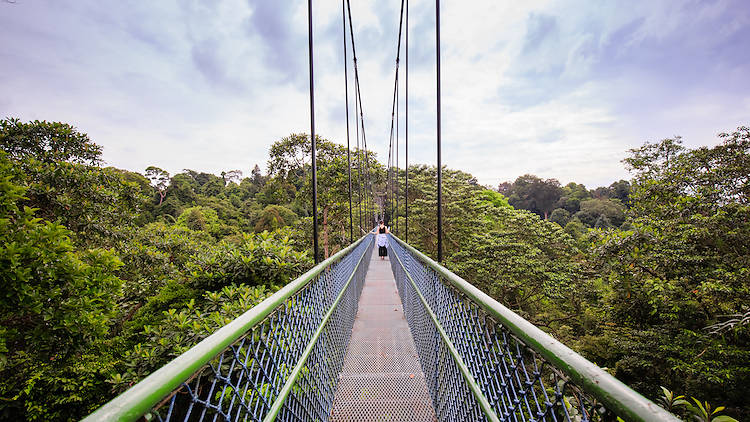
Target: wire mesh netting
{"type": "Point", "coordinates": [381, 380]}
{"type": "Point", "coordinates": [518, 383]}
{"type": "Point", "coordinates": [242, 383]}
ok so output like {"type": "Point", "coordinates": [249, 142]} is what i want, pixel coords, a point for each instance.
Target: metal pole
{"type": "Point", "coordinates": [395, 190]}
{"type": "Point", "coordinates": [406, 166]}
{"type": "Point", "coordinates": [348, 148]}
{"type": "Point", "coordinates": [439, 161]}
{"type": "Point", "coordinates": [359, 160]}
{"type": "Point", "coordinates": [312, 132]}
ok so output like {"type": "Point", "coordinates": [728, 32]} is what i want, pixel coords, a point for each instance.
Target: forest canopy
{"type": "Point", "coordinates": [108, 274]}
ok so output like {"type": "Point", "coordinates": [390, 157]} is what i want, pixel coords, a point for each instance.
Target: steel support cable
{"type": "Point", "coordinates": [396, 188]}
{"type": "Point", "coordinates": [367, 181]}
{"type": "Point", "coordinates": [312, 131]}
{"type": "Point", "coordinates": [359, 163]}
{"type": "Point", "coordinates": [439, 161]}
{"type": "Point", "coordinates": [358, 101]}
{"type": "Point", "coordinates": [346, 101]}
{"type": "Point", "coordinates": [390, 185]}
{"type": "Point", "coordinates": [406, 165]}
{"type": "Point", "coordinates": [368, 173]}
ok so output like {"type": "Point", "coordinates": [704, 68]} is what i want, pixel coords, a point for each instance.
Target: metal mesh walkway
{"type": "Point", "coordinates": [381, 379]}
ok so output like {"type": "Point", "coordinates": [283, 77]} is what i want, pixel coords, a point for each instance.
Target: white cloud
{"type": "Point", "coordinates": [561, 89]}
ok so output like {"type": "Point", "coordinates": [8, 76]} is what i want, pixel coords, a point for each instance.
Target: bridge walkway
{"type": "Point", "coordinates": [381, 379]}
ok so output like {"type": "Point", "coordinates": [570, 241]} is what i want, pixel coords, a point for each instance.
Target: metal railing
{"type": "Point", "coordinates": [279, 360]}
{"type": "Point", "coordinates": [483, 362]}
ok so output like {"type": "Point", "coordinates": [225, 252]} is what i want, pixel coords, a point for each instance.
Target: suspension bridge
{"type": "Point", "coordinates": [358, 338]}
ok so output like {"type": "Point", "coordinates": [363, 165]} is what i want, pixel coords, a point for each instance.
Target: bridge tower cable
{"type": "Point", "coordinates": [398, 184]}
{"type": "Point", "coordinates": [368, 205]}
{"type": "Point", "coordinates": [439, 161]}
{"type": "Point", "coordinates": [346, 101]}
{"type": "Point", "coordinates": [392, 174]}
{"type": "Point", "coordinates": [312, 132]}
{"type": "Point", "coordinates": [359, 163]}
{"type": "Point", "coordinates": [406, 165]}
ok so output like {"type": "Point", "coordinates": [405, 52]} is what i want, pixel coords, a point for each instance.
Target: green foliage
{"type": "Point", "coordinates": [671, 401]}
{"type": "Point", "coordinates": [560, 216]}
{"type": "Point", "coordinates": [682, 266]}
{"type": "Point", "coordinates": [593, 210]}
{"type": "Point", "coordinates": [572, 196]}
{"type": "Point", "coordinates": [575, 228]}
{"type": "Point", "coordinates": [274, 217]}
{"type": "Point", "coordinates": [95, 203]}
{"type": "Point", "coordinates": [531, 193]}
{"type": "Point", "coordinates": [702, 412]}
{"type": "Point", "coordinates": [260, 259]}
{"type": "Point", "coordinates": [106, 277]}
{"type": "Point", "coordinates": [71, 310]}
{"type": "Point", "coordinates": [160, 179]}
{"type": "Point", "coordinates": [520, 260]}
{"type": "Point", "coordinates": [182, 327]}
{"type": "Point", "coordinates": [199, 219]}
{"type": "Point", "coordinates": [289, 166]}
{"type": "Point", "coordinates": [57, 306]}
{"type": "Point", "coordinates": [47, 142]}
{"type": "Point", "coordinates": [155, 254]}
{"type": "Point", "coordinates": [497, 199]}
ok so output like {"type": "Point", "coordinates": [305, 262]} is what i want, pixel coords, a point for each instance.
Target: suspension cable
{"type": "Point", "coordinates": [439, 161]}
{"type": "Point", "coordinates": [367, 181]}
{"type": "Point", "coordinates": [406, 165]}
{"type": "Point", "coordinates": [395, 190]}
{"type": "Point", "coordinates": [312, 131]}
{"type": "Point", "coordinates": [348, 147]}
{"type": "Point", "coordinates": [359, 163]}
{"type": "Point", "coordinates": [390, 185]}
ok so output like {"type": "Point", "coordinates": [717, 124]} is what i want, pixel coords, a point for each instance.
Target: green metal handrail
{"type": "Point", "coordinates": [142, 397]}
{"type": "Point", "coordinates": [468, 377]}
{"type": "Point", "coordinates": [281, 399]}
{"type": "Point", "coordinates": [615, 395]}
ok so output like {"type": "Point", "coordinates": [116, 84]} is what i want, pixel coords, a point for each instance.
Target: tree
{"type": "Point", "coordinates": [290, 165]}
{"type": "Point", "coordinates": [95, 203]}
{"type": "Point", "coordinates": [593, 209]}
{"type": "Point", "coordinates": [560, 216]}
{"type": "Point", "coordinates": [572, 196]}
{"type": "Point", "coordinates": [160, 180]}
{"type": "Point", "coordinates": [505, 188]}
{"type": "Point", "coordinates": [620, 190]}
{"type": "Point", "coordinates": [257, 177]}
{"type": "Point", "coordinates": [602, 222]}
{"type": "Point", "coordinates": [47, 142]}
{"type": "Point", "coordinates": [231, 176]}
{"type": "Point", "coordinates": [58, 306]}
{"type": "Point", "coordinates": [274, 217]}
{"type": "Point", "coordinates": [531, 193]}
{"type": "Point", "coordinates": [681, 267]}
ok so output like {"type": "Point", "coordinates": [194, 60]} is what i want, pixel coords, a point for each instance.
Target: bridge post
{"type": "Point", "coordinates": [439, 161]}
{"type": "Point", "coordinates": [312, 133]}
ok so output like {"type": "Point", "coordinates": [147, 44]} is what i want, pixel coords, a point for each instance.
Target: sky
{"type": "Point", "coordinates": [560, 89]}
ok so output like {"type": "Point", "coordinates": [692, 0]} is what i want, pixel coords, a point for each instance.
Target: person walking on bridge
{"type": "Point", "coordinates": [382, 240]}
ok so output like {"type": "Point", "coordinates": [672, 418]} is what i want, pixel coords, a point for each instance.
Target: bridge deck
{"type": "Point", "coordinates": [381, 379]}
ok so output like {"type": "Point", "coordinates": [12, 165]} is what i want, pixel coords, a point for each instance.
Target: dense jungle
{"type": "Point", "coordinates": [109, 273]}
